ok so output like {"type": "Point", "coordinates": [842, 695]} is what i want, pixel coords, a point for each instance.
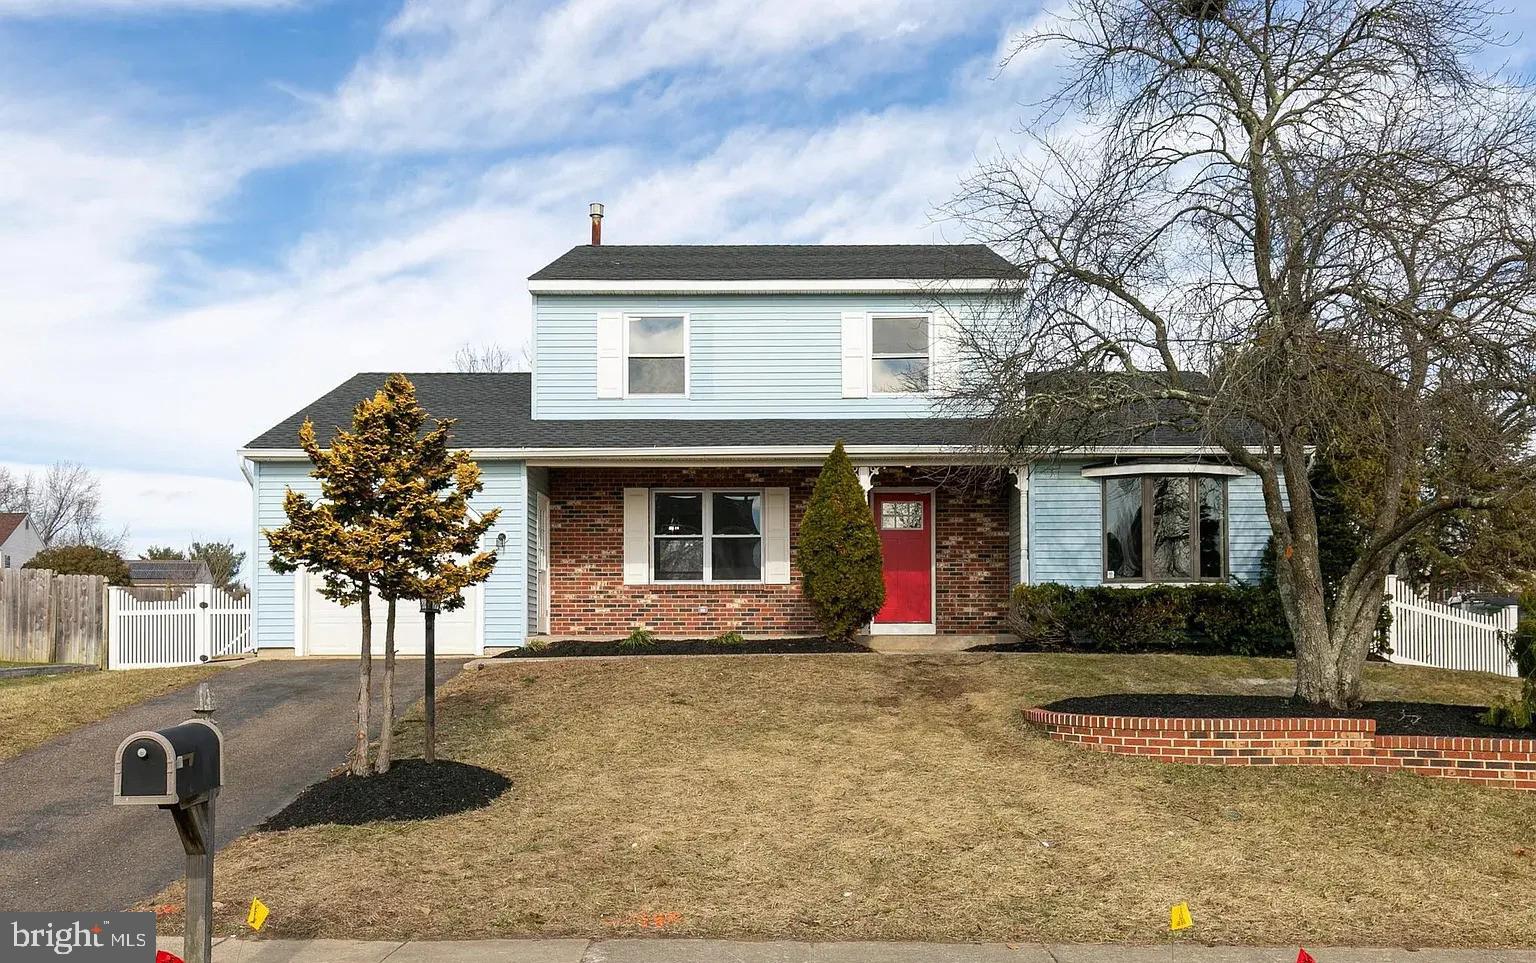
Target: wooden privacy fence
{"type": "Point", "coordinates": [1428, 633]}
{"type": "Point", "coordinates": [47, 617]}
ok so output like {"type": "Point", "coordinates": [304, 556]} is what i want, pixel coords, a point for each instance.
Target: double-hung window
{"type": "Point", "coordinates": [707, 536]}
{"type": "Point", "coordinates": [656, 355]}
{"type": "Point", "coordinates": [899, 354]}
{"type": "Point", "coordinates": [1165, 528]}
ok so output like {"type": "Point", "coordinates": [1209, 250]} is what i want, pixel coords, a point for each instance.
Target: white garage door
{"type": "Point", "coordinates": [331, 629]}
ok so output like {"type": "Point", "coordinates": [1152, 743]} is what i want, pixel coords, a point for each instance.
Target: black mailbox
{"type": "Point", "coordinates": [170, 767]}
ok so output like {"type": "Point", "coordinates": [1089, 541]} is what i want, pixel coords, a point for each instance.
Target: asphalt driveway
{"type": "Point", "coordinates": [65, 847]}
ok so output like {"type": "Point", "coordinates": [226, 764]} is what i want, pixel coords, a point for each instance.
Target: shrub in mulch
{"type": "Point", "coordinates": [1392, 718]}
{"type": "Point", "coordinates": [566, 648]}
{"type": "Point", "coordinates": [410, 790]}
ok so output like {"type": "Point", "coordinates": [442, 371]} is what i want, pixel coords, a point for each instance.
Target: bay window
{"type": "Point", "coordinates": [1165, 528]}
{"type": "Point", "coordinates": [707, 536]}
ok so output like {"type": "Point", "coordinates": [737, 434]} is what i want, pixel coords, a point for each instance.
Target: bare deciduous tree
{"type": "Point", "coordinates": [1282, 224]}
{"type": "Point", "coordinates": [490, 357]}
{"type": "Point", "coordinates": [64, 504]}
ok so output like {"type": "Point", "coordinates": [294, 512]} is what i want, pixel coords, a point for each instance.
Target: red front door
{"type": "Point", "coordinates": [905, 521]}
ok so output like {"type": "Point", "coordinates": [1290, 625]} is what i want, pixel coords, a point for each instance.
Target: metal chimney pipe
{"type": "Point", "coordinates": [596, 210]}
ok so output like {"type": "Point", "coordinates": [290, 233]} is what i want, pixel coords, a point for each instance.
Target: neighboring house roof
{"type": "Point", "coordinates": [154, 571]}
{"type": "Point", "coordinates": [494, 411]}
{"type": "Point", "coordinates": [9, 522]}
{"type": "Point", "coordinates": [774, 262]}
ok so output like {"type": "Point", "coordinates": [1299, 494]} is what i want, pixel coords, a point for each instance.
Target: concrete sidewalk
{"type": "Point", "coordinates": [784, 951]}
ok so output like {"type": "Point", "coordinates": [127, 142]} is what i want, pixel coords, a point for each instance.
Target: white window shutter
{"type": "Point", "coordinates": [610, 354]}
{"type": "Point", "coordinates": [637, 536]}
{"type": "Point", "coordinates": [776, 536]}
{"type": "Point", "coordinates": [941, 353]}
{"type": "Point", "coordinates": [855, 354]}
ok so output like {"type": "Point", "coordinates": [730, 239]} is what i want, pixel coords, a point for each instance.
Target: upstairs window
{"type": "Point", "coordinates": [656, 355]}
{"type": "Point", "coordinates": [898, 357]}
{"type": "Point", "coordinates": [1165, 528]}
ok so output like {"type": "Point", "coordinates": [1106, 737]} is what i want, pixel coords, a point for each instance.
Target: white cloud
{"type": "Point", "coordinates": [483, 73]}
{"type": "Point", "coordinates": [65, 8]}
{"type": "Point", "coordinates": [96, 217]}
{"type": "Point", "coordinates": [164, 508]}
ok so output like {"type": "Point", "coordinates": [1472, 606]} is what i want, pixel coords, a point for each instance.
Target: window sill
{"type": "Point", "coordinates": [682, 584]}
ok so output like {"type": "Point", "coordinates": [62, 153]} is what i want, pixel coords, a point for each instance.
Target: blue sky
{"type": "Point", "coordinates": [211, 211]}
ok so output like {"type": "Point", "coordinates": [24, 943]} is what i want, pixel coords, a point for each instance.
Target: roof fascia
{"type": "Point", "coordinates": [771, 286]}
{"type": "Point", "coordinates": [763, 455]}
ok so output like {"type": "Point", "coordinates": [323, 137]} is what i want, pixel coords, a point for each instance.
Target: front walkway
{"type": "Point", "coordinates": [725, 951]}
{"type": "Point", "coordinates": [65, 847]}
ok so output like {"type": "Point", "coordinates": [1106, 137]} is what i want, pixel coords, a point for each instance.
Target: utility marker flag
{"type": "Point", "coordinates": [257, 917]}
{"type": "Point", "coordinates": [1302, 956]}
{"type": "Point", "coordinates": [1178, 917]}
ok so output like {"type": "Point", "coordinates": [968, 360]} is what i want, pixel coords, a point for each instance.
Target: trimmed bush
{"type": "Point", "coordinates": [1228, 619]}
{"type": "Point", "coordinates": [1520, 713]}
{"type": "Point", "coordinates": [839, 551]}
{"type": "Point", "coordinates": [82, 560]}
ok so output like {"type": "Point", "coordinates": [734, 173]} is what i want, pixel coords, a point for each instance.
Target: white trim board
{"type": "Point", "coordinates": [773, 286]}
{"type": "Point", "coordinates": [767, 455]}
{"type": "Point", "coordinates": [1163, 468]}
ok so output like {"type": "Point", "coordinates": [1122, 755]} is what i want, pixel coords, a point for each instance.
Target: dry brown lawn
{"type": "Point", "coordinates": [873, 798]}
{"type": "Point", "coordinates": [34, 709]}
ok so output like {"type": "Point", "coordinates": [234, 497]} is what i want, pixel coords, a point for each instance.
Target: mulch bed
{"type": "Point", "coordinates": [564, 649]}
{"type": "Point", "coordinates": [1392, 718]}
{"type": "Point", "coordinates": [410, 790]}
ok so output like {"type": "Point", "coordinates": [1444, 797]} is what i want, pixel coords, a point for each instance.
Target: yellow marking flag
{"type": "Point", "coordinates": [257, 917]}
{"type": "Point", "coordinates": [1178, 917]}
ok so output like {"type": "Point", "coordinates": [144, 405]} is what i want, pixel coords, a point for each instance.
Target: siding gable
{"type": "Point", "coordinates": [770, 356]}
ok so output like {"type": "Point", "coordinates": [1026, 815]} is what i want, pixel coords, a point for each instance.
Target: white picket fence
{"type": "Point", "coordinates": [1428, 633]}
{"type": "Point", "coordinates": [200, 624]}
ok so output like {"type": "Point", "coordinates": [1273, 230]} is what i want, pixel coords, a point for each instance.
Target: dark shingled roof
{"type": "Point", "coordinates": [493, 411]}
{"type": "Point", "coordinates": [167, 571]}
{"type": "Point", "coordinates": [774, 262]}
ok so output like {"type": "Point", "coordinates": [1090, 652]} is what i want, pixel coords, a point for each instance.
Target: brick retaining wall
{"type": "Point", "coordinates": [1505, 763]}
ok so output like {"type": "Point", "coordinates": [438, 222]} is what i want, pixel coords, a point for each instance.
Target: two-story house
{"type": "Point", "coordinates": [653, 468]}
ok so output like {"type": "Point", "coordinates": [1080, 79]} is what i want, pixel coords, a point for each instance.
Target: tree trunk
{"type": "Point", "coordinates": [364, 686]}
{"type": "Point", "coordinates": [387, 724]}
{"type": "Point", "coordinates": [1332, 641]}
{"type": "Point", "coordinates": [429, 751]}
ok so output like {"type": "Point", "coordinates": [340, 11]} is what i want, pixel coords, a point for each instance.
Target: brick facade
{"type": "Point", "coordinates": [1505, 763]}
{"type": "Point", "coordinates": [588, 596]}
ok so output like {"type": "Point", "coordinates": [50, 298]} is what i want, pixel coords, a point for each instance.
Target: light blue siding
{"type": "Point", "coordinates": [1064, 514]}
{"type": "Point", "coordinates": [273, 596]}
{"type": "Point", "coordinates": [777, 356]}
{"type": "Point", "coordinates": [538, 481]}
{"type": "Point", "coordinates": [1248, 530]}
{"type": "Point", "coordinates": [505, 487]}
{"type": "Point", "coordinates": [1066, 511]}
{"type": "Point", "coordinates": [506, 616]}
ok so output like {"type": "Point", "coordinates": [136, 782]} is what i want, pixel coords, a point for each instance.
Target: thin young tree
{"type": "Point", "coordinates": [1271, 222]}
{"type": "Point", "coordinates": [429, 541]}
{"type": "Point", "coordinates": [444, 536]}
{"type": "Point", "coordinates": [338, 536]}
